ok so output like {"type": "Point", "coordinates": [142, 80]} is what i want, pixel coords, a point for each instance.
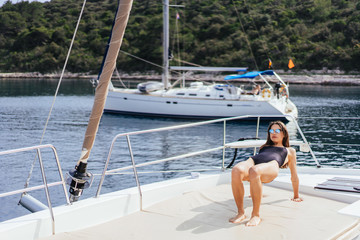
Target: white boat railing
{"type": "Point", "coordinates": [134, 166]}
{"type": "Point", "coordinates": [46, 185]}
{"type": "Point", "coordinates": [286, 86]}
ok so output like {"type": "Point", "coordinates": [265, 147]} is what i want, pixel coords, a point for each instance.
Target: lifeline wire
{"type": "Point", "coordinates": [57, 89]}
{"type": "Point", "coordinates": [351, 118]}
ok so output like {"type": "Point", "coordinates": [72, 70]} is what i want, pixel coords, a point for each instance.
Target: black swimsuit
{"type": "Point", "coordinates": [270, 153]}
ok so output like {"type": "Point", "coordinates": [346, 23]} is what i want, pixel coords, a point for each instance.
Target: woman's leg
{"type": "Point", "coordinates": [239, 173]}
{"type": "Point", "coordinates": [258, 174]}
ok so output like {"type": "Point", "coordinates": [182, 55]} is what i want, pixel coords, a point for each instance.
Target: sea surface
{"type": "Point", "coordinates": [328, 116]}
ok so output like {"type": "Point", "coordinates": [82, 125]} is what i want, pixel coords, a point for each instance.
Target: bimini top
{"type": "Point", "coordinates": [249, 74]}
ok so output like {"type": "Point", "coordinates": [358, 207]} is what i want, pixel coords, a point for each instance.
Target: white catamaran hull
{"type": "Point", "coordinates": [128, 102]}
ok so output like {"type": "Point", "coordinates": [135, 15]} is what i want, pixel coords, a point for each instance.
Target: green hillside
{"type": "Point", "coordinates": [315, 34]}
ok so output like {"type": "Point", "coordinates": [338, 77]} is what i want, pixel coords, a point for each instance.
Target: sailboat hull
{"type": "Point", "coordinates": [196, 108]}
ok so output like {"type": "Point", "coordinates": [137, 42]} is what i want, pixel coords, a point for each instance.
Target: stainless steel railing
{"type": "Point", "coordinates": [46, 185]}
{"type": "Point", "coordinates": [134, 166]}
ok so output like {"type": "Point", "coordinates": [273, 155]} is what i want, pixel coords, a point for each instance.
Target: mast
{"type": "Point", "coordinates": [165, 76]}
{"type": "Point", "coordinates": [79, 176]}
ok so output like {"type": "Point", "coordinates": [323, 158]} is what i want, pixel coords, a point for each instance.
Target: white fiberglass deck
{"type": "Point", "coordinates": [204, 214]}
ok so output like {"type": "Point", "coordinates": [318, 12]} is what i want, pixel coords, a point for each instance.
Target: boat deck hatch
{"type": "Point", "coordinates": [340, 184]}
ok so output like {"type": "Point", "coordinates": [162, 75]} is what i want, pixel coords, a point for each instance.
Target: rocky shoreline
{"type": "Point", "coordinates": [298, 78]}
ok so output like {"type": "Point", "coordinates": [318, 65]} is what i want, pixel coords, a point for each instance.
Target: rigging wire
{"type": "Point", "coordinates": [141, 59]}
{"type": "Point", "coordinates": [177, 35]}
{"type": "Point", "coordinates": [144, 60]}
{"type": "Point", "coordinates": [57, 89]}
{"type": "Point", "coordinates": [178, 51]}
{"type": "Point", "coordinates": [177, 38]}
{"type": "Point", "coordinates": [246, 37]}
{"type": "Point", "coordinates": [120, 80]}
{"type": "Point", "coordinates": [265, 47]}
{"type": "Point", "coordinates": [189, 63]}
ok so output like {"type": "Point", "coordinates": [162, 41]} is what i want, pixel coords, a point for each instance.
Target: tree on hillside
{"type": "Point", "coordinates": [315, 33]}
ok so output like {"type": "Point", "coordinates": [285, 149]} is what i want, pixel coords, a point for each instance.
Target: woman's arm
{"type": "Point", "coordinates": [294, 176]}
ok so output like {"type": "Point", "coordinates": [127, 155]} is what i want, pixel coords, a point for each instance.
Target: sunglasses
{"type": "Point", "coordinates": [272, 131]}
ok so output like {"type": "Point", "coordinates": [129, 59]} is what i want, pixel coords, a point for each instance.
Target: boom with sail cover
{"type": "Point", "coordinates": [253, 74]}
{"type": "Point", "coordinates": [79, 175]}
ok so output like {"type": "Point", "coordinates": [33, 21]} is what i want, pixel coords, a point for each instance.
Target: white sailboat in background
{"type": "Point", "coordinates": [200, 100]}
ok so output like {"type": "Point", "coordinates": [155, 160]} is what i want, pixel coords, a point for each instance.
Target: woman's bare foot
{"type": "Point", "coordinates": [254, 221]}
{"type": "Point", "coordinates": [238, 218]}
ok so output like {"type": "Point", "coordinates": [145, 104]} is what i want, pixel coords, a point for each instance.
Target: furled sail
{"type": "Point", "coordinates": [79, 175]}
{"type": "Point", "coordinates": [105, 75]}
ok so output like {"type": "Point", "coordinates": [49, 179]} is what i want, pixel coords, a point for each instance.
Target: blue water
{"type": "Point", "coordinates": [24, 107]}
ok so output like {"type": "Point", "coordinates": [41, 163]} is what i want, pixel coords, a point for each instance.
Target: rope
{"type": "Point", "coordinates": [57, 90]}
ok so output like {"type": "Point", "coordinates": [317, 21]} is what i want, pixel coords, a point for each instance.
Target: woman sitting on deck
{"type": "Point", "coordinates": [263, 168]}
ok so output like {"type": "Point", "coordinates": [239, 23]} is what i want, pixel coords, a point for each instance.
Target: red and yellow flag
{"type": "Point", "coordinates": [291, 64]}
{"type": "Point", "coordinates": [270, 63]}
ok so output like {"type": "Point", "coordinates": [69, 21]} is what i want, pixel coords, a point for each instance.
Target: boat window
{"type": "Point", "coordinates": [229, 105]}
{"type": "Point", "coordinates": [174, 102]}
{"type": "Point", "coordinates": [192, 94]}
{"type": "Point", "coordinates": [125, 98]}
{"type": "Point", "coordinates": [180, 93]}
{"type": "Point", "coordinates": [168, 102]}
{"type": "Point", "coordinates": [208, 95]}
{"type": "Point", "coordinates": [221, 95]}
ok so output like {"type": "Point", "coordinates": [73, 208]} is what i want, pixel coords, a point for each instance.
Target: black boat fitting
{"type": "Point", "coordinates": [78, 180]}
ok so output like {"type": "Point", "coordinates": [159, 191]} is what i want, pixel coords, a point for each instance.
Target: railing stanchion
{"type": "Point", "coordinates": [224, 142]}
{"type": "Point", "coordinates": [135, 171]}
{"type": "Point", "coordinates": [46, 185]}
{"type": "Point", "coordinates": [307, 143]}
{"type": "Point", "coordinates": [46, 191]}
{"type": "Point", "coordinates": [106, 166]}
{"type": "Point", "coordinates": [61, 175]}
{"type": "Point", "coordinates": [257, 131]}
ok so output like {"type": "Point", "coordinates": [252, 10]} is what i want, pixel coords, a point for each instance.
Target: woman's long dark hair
{"type": "Point", "coordinates": [285, 141]}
